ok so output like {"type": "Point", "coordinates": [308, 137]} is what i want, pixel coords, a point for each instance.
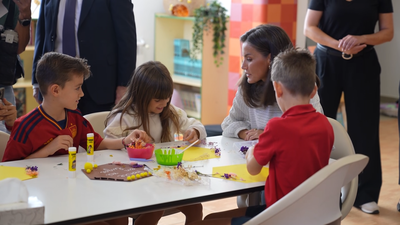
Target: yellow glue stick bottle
{"type": "Point", "coordinates": [90, 147]}
{"type": "Point", "coordinates": [72, 162]}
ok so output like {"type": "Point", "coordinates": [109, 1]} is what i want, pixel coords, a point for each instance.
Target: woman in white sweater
{"type": "Point", "coordinates": [146, 107]}
{"type": "Point", "coordinates": [255, 104]}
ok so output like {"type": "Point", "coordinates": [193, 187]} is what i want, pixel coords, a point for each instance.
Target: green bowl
{"type": "Point", "coordinates": [168, 157]}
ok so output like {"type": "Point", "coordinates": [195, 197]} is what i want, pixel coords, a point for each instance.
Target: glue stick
{"type": "Point", "coordinates": [72, 162]}
{"type": "Point", "coordinates": [90, 147]}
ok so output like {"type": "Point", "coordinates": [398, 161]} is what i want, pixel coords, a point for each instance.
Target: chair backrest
{"type": "Point", "coordinates": [97, 121]}
{"type": "Point", "coordinates": [344, 147]}
{"type": "Point", "coordinates": [315, 201]}
{"type": "Point", "coordinates": [342, 144]}
{"type": "Point", "coordinates": [3, 143]}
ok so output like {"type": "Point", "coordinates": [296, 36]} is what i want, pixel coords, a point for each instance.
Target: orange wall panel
{"type": "Point", "coordinates": [247, 14]}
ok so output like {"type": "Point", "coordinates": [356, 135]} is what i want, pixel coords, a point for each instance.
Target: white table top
{"type": "Point", "coordinates": [78, 200]}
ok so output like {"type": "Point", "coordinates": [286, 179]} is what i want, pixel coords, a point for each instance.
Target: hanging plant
{"type": "Point", "coordinates": [210, 18]}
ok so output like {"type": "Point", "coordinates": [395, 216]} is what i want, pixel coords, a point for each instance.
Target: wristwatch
{"type": "Point", "coordinates": [25, 22]}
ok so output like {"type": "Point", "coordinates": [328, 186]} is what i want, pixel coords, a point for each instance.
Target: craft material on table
{"type": "Point", "coordinates": [190, 145]}
{"type": "Point", "coordinates": [199, 153]}
{"type": "Point", "coordinates": [118, 172]}
{"type": "Point", "coordinates": [243, 146]}
{"type": "Point", "coordinates": [241, 173]}
{"type": "Point", "coordinates": [169, 157]}
{"type": "Point", "coordinates": [14, 172]}
{"type": "Point", "coordinates": [141, 160]}
{"type": "Point", "coordinates": [181, 174]}
{"type": "Point", "coordinates": [144, 151]}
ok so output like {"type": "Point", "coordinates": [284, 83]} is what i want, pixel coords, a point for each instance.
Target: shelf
{"type": "Point", "coordinates": [186, 81]}
{"type": "Point", "coordinates": [212, 87]}
{"type": "Point", "coordinates": [193, 114]}
{"type": "Point", "coordinates": [164, 15]}
{"type": "Point", "coordinates": [21, 83]}
{"type": "Point", "coordinates": [30, 48]}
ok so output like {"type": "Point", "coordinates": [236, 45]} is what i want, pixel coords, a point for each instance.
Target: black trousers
{"type": "Point", "coordinates": [359, 80]}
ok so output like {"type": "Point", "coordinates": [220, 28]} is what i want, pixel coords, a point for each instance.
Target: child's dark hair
{"type": "Point", "coordinates": [266, 39]}
{"type": "Point", "coordinates": [57, 68]}
{"type": "Point", "coordinates": [295, 70]}
{"type": "Point", "coordinates": [150, 80]}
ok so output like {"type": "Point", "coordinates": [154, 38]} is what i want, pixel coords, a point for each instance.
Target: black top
{"type": "Point", "coordinates": [357, 17]}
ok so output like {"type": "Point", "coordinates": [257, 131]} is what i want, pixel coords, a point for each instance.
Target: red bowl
{"type": "Point", "coordinates": [143, 153]}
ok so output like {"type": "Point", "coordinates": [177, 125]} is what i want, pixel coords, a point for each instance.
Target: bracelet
{"type": "Point", "coordinates": [123, 143]}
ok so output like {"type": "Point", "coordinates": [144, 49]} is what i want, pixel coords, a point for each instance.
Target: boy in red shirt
{"type": "Point", "coordinates": [296, 145]}
{"type": "Point", "coordinates": [56, 124]}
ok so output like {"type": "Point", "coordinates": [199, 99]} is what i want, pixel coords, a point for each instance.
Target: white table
{"type": "Point", "coordinates": [79, 200]}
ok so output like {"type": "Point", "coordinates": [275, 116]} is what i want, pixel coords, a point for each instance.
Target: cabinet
{"type": "Point", "coordinates": [212, 87]}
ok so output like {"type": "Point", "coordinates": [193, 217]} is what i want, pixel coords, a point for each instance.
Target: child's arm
{"type": "Point", "coordinates": [60, 142]}
{"type": "Point", "coordinates": [120, 143]}
{"type": "Point", "coordinates": [253, 167]}
{"type": "Point", "coordinates": [191, 135]}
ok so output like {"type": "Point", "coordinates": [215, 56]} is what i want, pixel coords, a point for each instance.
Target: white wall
{"type": "Point", "coordinates": [389, 58]}
{"type": "Point", "coordinates": [302, 6]}
{"type": "Point", "coordinates": [388, 53]}
{"type": "Point", "coordinates": [144, 11]}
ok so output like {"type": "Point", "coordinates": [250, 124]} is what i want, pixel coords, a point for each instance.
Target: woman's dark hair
{"type": "Point", "coordinates": [266, 39]}
{"type": "Point", "coordinates": [150, 80]}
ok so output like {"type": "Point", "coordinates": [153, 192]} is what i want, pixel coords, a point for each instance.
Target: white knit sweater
{"type": "Point", "coordinates": [116, 130]}
{"type": "Point", "coordinates": [242, 117]}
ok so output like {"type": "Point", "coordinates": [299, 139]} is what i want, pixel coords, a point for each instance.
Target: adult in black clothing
{"type": "Point", "coordinates": [105, 35]}
{"type": "Point", "coordinates": [347, 62]}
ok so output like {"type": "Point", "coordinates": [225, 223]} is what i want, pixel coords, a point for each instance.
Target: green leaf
{"type": "Point", "coordinates": [212, 18]}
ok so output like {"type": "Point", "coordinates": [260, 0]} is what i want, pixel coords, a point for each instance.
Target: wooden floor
{"type": "Point", "coordinates": [389, 197]}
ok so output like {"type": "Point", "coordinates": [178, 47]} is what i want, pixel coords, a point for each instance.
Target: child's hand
{"type": "Point", "coordinates": [60, 142]}
{"type": "Point", "coordinates": [137, 135]}
{"type": "Point", "coordinates": [252, 134]}
{"type": "Point", "coordinates": [250, 153]}
{"type": "Point", "coordinates": [191, 135]}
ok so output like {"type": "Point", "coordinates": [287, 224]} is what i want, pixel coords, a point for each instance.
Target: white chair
{"type": "Point", "coordinates": [97, 121]}
{"type": "Point", "coordinates": [3, 143]}
{"type": "Point", "coordinates": [344, 147]}
{"type": "Point", "coordinates": [315, 201]}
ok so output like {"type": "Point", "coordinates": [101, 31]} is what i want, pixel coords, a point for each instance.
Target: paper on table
{"type": "Point", "coordinates": [198, 153]}
{"type": "Point", "coordinates": [16, 172]}
{"type": "Point", "coordinates": [241, 171]}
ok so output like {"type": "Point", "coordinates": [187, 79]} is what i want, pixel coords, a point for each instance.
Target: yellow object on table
{"type": "Point", "coordinates": [241, 171]}
{"type": "Point", "coordinates": [198, 153]}
{"type": "Point", "coordinates": [13, 172]}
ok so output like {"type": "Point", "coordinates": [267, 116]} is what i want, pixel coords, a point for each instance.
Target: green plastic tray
{"type": "Point", "coordinates": [168, 157]}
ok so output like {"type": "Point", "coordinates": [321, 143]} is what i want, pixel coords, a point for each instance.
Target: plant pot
{"type": "Point", "coordinates": [194, 4]}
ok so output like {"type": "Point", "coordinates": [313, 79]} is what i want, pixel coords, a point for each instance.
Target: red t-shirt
{"type": "Point", "coordinates": [296, 145]}
{"type": "Point", "coordinates": [36, 129]}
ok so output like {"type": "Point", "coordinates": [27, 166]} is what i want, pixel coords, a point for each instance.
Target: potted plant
{"type": "Point", "coordinates": [210, 18]}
